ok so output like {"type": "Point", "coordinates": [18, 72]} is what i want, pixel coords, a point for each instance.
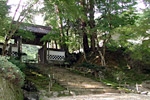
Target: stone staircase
{"type": "Point", "coordinates": [78, 84]}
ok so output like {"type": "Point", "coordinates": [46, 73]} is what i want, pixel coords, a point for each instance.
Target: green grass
{"type": "Point", "coordinates": [57, 87]}
{"type": "Point", "coordinates": [41, 81]}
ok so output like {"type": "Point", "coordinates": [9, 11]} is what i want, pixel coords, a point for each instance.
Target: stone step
{"type": "Point", "coordinates": [79, 84]}
{"type": "Point", "coordinates": [81, 87]}
{"type": "Point", "coordinates": [93, 91]}
{"type": "Point", "coordinates": [85, 89]}
{"type": "Point", "coordinates": [88, 91]}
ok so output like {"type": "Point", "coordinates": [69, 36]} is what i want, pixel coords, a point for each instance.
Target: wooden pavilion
{"type": "Point", "coordinates": [47, 52]}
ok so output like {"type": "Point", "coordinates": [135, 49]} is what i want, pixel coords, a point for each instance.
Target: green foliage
{"type": "Point", "coordinates": [63, 9]}
{"type": "Point", "coordinates": [141, 53]}
{"type": "Point", "coordinates": [41, 79]}
{"type": "Point", "coordinates": [134, 37]}
{"type": "Point", "coordinates": [30, 50]}
{"type": "Point", "coordinates": [114, 77]}
{"type": "Point", "coordinates": [112, 46]}
{"type": "Point", "coordinates": [62, 16]}
{"type": "Point", "coordinates": [4, 20]}
{"type": "Point", "coordinates": [3, 8]}
{"type": "Point", "coordinates": [120, 76]}
{"type": "Point", "coordinates": [11, 72]}
{"type": "Point", "coordinates": [16, 62]}
{"type": "Point", "coordinates": [53, 35]}
{"type": "Point", "coordinates": [132, 76]}
{"type": "Point", "coordinates": [91, 66]}
{"type": "Point", "coordinates": [140, 33]}
{"type": "Point", "coordinates": [25, 34]}
{"type": "Point", "coordinates": [57, 87]}
{"type": "Point", "coordinates": [115, 13]}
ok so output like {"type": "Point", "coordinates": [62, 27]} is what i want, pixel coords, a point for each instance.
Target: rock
{"type": "Point", "coordinates": [42, 92]}
{"type": "Point", "coordinates": [72, 93]}
{"type": "Point", "coordinates": [145, 93]}
{"type": "Point", "coordinates": [61, 92]}
{"type": "Point", "coordinates": [146, 84]}
{"type": "Point", "coordinates": [55, 94]}
{"type": "Point", "coordinates": [66, 92]}
{"type": "Point", "coordinates": [9, 91]}
{"type": "Point", "coordinates": [29, 86]}
{"type": "Point", "coordinates": [45, 98]}
{"type": "Point", "coordinates": [30, 91]}
{"type": "Point", "coordinates": [31, 95]}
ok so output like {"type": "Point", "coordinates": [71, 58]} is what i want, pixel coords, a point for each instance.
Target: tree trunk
{"type": "Point", "coordinates": [4, 47]}
{"type": "Point", "coordinates": [85, 43]}
{"type": "Point", "coordinates": [21, 17]}
{"type": "Point", "coordinates": [92, 25]}
{"type": "Point", "coordinates": [10, 49]}
{"type": "Point", "coordinates": [103, 62]}
{"type": "Point", "coordinates": [83, 26]}
{"type": "Point", "coordinates": [60, 23]}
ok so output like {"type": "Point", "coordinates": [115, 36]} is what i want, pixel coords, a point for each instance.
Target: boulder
{"type": "Point", "coordinates": [9, 91]}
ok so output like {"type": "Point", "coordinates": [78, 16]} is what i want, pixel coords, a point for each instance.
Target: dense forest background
{"type": "Point", "coordinates": [93, 27]}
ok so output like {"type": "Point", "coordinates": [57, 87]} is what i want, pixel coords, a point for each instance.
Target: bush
{"type": "Point", "coordinates": [91, 66]}
{"type": "Point", "coordinates": [17, 63]}
{"type": "Point", "coordinates": [11, 72]}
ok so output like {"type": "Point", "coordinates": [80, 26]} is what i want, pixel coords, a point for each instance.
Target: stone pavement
{"type": "Point", "coordinates": [77, 84]}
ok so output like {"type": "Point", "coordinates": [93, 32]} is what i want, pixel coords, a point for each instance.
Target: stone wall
{"type": "Point", "coordinates": [8, 91]}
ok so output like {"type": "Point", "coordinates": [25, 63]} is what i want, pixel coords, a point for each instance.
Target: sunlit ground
{"type": "Point", "coordinates": [106, 96]}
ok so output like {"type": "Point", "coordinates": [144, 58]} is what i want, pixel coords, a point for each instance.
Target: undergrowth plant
{"type": "Point", "coordinates": [11, 72]}
{"type": "Point", "coordinates": [16, 62]}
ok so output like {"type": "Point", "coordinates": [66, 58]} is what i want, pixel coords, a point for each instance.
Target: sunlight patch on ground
{"type": "Point", "coordinates": [83, 85]}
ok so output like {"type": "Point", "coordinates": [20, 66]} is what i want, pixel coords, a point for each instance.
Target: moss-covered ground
{"type": "Point", "coordinates": [42, 80]}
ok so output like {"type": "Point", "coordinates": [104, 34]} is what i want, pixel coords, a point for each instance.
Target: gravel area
{"type": "Point", "coordinates": [106, 96]}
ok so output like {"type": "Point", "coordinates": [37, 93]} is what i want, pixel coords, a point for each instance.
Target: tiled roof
{"type": "Point", "coordinates": [35, 28]}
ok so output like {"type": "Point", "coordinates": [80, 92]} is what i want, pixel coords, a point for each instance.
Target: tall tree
{"type": "Point", "coordinates": [84, 19]}
{"type": "Point", "coordinates": [110, 17]}
{"type": "Point", "coordinates": [4, 10]}
{"type": "Point", "coordinates": [61, 16]}
{"type": "Point", "coordinates": [13, 28]}
{"type": "Point", "coordinates": [92, 24]}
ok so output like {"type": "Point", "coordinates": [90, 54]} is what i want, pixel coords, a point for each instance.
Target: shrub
{"type": "Point", "coordinates": [91, 66]}
{"type": "Point", "coordinates": [17, 63]}
{"type": "Point", "coordinates": [11, 72]}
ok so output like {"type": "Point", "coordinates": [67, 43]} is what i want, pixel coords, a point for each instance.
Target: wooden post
{"type": "Point", "coordinates": [19, 47]}
{"type": "Point", "coordinates": [56, 46]}
{"type": "Point", "coordinates": [42, 60]}
{"type": "Point", "coordinates": [10, 50]}
{"type": "Point", "coordinates": [47, 56]}
{"type": "Point", "coordinates": [44, 52]}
